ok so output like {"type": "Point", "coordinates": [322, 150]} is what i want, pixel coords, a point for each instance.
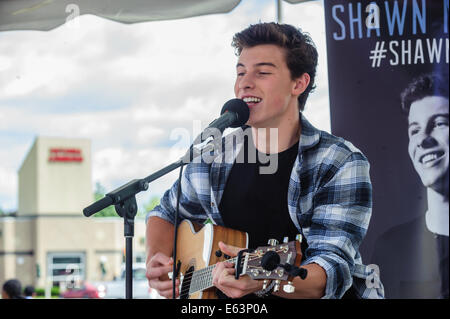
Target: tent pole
{"type": "Point", "coordinates": [279, 14]}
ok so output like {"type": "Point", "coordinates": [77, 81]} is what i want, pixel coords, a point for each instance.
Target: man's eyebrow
{"type": "Point", "coordinates": [412, 123]}
{"type": "Point", "coordinates": [432, 118]}
{"type": "Point", "coordinates": [258, 64]}
{"type": "Point", "coordinates": [439, 115]}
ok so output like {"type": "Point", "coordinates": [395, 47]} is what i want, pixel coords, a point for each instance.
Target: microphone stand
{"type": "Point", "coordinates": [234, 113]}
{"type": "Point", "coordinates": [124, 201]}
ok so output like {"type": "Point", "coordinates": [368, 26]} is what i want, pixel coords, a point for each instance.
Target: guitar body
{"type": "Point", "coordinates": [196, 247]}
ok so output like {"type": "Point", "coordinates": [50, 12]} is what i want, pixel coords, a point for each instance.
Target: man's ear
{"type": "Point", "coordinates": [301, 83]}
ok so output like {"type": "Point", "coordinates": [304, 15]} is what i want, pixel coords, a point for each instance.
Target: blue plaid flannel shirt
{"type": "Point", "coordinates": [329, 201]}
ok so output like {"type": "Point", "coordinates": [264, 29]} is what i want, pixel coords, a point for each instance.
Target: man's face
{"type": "Point", "coordinates": [428, 140]}
{"type": "Point", "coordinates": [264, 82]}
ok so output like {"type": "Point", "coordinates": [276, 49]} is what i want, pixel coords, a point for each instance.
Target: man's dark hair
{"type": "Point", "coordinates": [13, 288]}
{"type": "Point", "coordinates": [430, 84]}
{"type": "Point", "coordinates": [28, 291]}
{"type": "Point", "coordinates": [301, 54]}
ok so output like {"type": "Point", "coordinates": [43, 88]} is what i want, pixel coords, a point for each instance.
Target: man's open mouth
{"type": "Point", "coordinates": [429, 159]}
{"type": "Point", "coordinates": [251, 100]}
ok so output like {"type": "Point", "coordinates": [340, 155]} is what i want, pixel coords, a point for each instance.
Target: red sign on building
{"type": "Point", "coordinates": [65, 155]}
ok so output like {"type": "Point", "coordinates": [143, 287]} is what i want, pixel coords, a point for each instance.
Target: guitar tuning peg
{"type": "Point", "coordinates": [277, 285]}
{"type": "Point", "coordinates": [289, 287]}
{"type": "Point", "coordinates": [299, 238]}
{"type": "Point", "coordinates": [285, 240]}
{"type": "Point", "coordinates": [272, 242]}
{"type": "Point", "coordinates": [265, 284]}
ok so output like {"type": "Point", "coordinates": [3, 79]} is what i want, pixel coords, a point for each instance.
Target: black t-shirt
{"type": "Point", "coordinates": [414, 262]}
{"type": "Point", "coordinates": [443, 260]}
{"type": "Point", "coordinates": [257, 203]}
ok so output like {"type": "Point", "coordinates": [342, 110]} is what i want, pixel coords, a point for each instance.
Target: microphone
{"type": "Point", "coordinates": [235, 113]}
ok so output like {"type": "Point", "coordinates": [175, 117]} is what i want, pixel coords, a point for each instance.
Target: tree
{"type": "Point", "coordinates": [152, 203]}
{"type": "Point", "coordinates": [110, 211]}
{"type": "Point", "coordinates": [99, 193]}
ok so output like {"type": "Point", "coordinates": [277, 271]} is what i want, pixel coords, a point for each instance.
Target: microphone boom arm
{"type": "Point", "coordinates": [124, 197]}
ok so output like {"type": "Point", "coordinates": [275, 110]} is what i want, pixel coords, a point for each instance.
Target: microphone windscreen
{"type": "Point", "coordinates": [239, 107]}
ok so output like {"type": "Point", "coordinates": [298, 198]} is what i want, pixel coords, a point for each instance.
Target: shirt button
{"type": "Point", "coordinates": [212, 204]}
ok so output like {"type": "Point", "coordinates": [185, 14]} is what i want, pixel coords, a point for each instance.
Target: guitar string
{"type": "Point", "coordinates": [202, 280]}
{"type": "Point", "coordinates": [199, 274]}
{"type": "Point", "coordinates": [203, 276]}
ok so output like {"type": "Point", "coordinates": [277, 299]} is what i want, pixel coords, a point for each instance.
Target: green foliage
{"type": "Point", "coordinates": [110, 211]}
{"type": "Point", "coordinates": [54, 292]}
{"type": "Point", "coordinates": [152, 203]}
{"type": "Point", "coordinates": [99, 193]}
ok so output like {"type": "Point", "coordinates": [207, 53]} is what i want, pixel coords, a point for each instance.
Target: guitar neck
{"type": "Point", "coordinates": [202, 279]}
{"type": "Point", "coordinates": [194, 280]}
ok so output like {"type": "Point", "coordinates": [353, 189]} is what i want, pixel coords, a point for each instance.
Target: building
{"type": "Point", "coordinates": [49, 240]}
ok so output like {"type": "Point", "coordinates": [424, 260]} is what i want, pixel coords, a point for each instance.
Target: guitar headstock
{"type": "Point", "coordinates": [289, 253]}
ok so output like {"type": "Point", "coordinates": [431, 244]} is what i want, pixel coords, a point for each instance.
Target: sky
{"type": "Point", "coordinates": [133, 90]}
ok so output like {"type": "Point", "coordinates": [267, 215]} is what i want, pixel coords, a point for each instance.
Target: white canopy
{"type": "Point", "coordinates": [45, 15]}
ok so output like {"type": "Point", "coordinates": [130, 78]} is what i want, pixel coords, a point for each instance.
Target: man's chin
{"type": "Point", "coordinates": [438, 183]}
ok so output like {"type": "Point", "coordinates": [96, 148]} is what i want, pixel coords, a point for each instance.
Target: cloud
{"type": "Point", "coordinates": [8, 188]}
{"type": "Point", "coordinates": [128, 87]}
{"type": "Point", "coordinates": [8, 182]}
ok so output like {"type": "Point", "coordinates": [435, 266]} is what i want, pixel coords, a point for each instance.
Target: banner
{"type": "Point", "coordinates": [388, 82]}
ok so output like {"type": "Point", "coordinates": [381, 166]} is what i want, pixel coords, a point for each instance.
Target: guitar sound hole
{"type": "Point", "coordinates": [186, 284]}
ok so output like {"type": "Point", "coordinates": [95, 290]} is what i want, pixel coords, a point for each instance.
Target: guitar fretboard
{"type": "Point", "coordinates": [201, 279]}
{"type": "Point", "coordinates": [250, 264]}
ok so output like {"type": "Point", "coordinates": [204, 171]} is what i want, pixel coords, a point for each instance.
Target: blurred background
{"type": "Point", "coordinates": [93, 104]}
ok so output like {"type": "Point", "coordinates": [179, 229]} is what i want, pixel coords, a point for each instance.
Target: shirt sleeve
{"type": "Point", "coordinates": [340, 218]}
{"type": "Point", "coordinates": [189, 206]}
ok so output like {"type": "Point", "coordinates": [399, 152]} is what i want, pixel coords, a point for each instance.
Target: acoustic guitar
{"type": "Point", "coordinates": [198, 252]}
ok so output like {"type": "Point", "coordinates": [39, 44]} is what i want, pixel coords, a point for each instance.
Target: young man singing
{"type": "Point", "coordinates": [321, 187]}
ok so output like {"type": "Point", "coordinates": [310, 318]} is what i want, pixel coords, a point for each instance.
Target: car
{"type": "Point", "coordinates": [116, 289]}
{"type": "Point", "coordinates": [85, 290]}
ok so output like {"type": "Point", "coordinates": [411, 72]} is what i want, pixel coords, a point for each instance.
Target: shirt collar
{"type": "Point", "coordinates": [309, 136]}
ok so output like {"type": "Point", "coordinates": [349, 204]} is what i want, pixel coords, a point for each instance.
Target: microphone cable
{"type": "Point", "coordinates": [237, 114]}
{"type": "Point", "coordinates": [174, 254]}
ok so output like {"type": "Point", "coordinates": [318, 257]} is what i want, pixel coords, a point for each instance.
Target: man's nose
{"type": "Point", "coordinates": [246, 82]}
{"type": "Point", "coordinates": [426, 141]}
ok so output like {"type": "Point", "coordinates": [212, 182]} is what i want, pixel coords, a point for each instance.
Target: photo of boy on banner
{"type": "Point", "coordinates": [425, 101]}
{"type": "Point", "coordinates": [388, 87]}
{"type": "Point", "coordinates": [419, 258]}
